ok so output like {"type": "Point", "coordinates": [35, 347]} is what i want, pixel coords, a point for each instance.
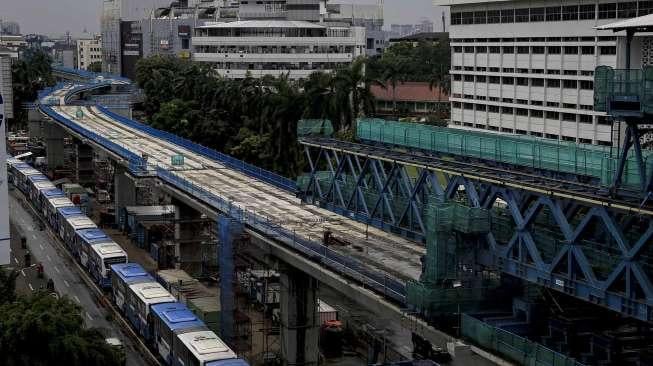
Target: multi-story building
{"type": "Point", "coordinates": [368, 16]}
{"type": "Point", "coordinates": [88, 51]}
{"type": "Point", "coordinates": [527, 67]}
{"type": "Point", "coordinates": [275, 47]}
{"type": "Point", "coordinates": [117, 45]}
{"type": "Point", "coordinates": [9, 28]}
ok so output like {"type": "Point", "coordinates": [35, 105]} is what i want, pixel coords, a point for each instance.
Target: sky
{"type": "Point", "coordinates": [54, 17]}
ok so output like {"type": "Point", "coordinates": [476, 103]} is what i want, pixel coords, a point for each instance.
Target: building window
{"type": "Point", "coordinates": [508, 49]}
{"type": "Point", "coordinates": [569, 117]}
{"type": "Point", "coordinates": [537, 14]}
{"type": "Point", "coordinates": [587, 50]}
{"type": "Point", "coordinates": [469, 49]}
{"type": "Point", "coordinates": [493, 16]}
{"type": "Point", "coordinates": [521, 112]}
{"type": "Point", "coordinates": [507, 15]}
{"type": "Point", "coordinates": [468, 17]}
{"type": "Point", "coordinates": [521, 15]}
{"type": "Point", "coordinates": [495, 80]}
{"type": "Point", "coordinates": [469, 78]}
{"type": "Point", "coordinates": [552, 115]}
{"type": "Point", "coordinates": [585, 118]}
{"type": "Point", "coordinates": [481, 79]}
{"type": "Point", "coordinates": [480, 17]}
{"type": "Point", "coordinates": [537, 82]}
{"type": "Point", "coordinates": [537, 49]}
{"type": "Point", "coordinates": [645, 8]}
{"type": "Point", "coordinates": [608, 50]}
{"type": "Point", "coordinates": [508, 81]}
{"type": "Point", "coordinates": [468, 106]}
{"type": "Point", "coordinates": [457, 77]}
{"type": "Point", "coordinates": [570, 12]}
{"type": "Point", "coordinates": [553, 83]}
{"type": "Point", "coordinates": [522, 49]}
{"type": "Point", "coordinates": [607, 11]}
{"type": "Point", "coordinates": [627, 10]}
{"type": "Point", "coordinates": [603, 120]}
{"type": "Point", "coordinates": [506, 110]}
{"type": "Point", "coordinates": [553, 50]}
{"type": "Point", "coordinates": [480, 107]}
{"type": "Point", "coordinates": [185, 43]}
{"type": "Point", "coordinates": [493, 109]}
{"type": "Point", "coordinates": [536, 113]}
{"type": "Point", "coordinates": [456, 18]}
{"type": "Point", "coordinates": [481, 49]}
{"type": "Point", "coordinates": [522, 81]}
{"type": "Point", "coordinates": [571, 50]}
{"type": "Point", "coordinates": [553, 14]}
{"type": "Point", "coordinates": [455, 105]}
{"type": "Point", "coordinates": [587, 85]}
{"type": "Point", "coordinates": [587, 12]}
{"type": "Point", "coordinates": [495, 49]}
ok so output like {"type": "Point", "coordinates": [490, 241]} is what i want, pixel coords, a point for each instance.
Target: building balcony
{"type": "Point", "coordinates": [273, 57]}
{"type": "Point", "coordinates": [275, 41]}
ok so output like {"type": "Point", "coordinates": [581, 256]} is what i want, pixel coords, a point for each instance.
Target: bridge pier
{"type": "Point", "coordinates": [54, 145]}
{"type": "Point", "coordinates": [124, 190]}
{"type": "Point", "coordinates": [300, 324]}
{"type": "Point", "coordinates": [84, 169]}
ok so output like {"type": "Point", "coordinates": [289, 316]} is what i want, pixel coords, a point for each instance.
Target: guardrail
{"type": "Point", "coordinates": [381, 283]}
{"type": "Point", "coordinates": [135, 162]}
{"type": "Point", "coordinates": [231, 162]}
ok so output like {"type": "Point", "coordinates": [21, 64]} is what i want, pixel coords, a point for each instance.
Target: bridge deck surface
{"type": "Point", "coordinates": [378, 250]}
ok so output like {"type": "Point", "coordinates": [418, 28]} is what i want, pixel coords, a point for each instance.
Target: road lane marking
{"type": "Point", "coordinates": [89, 316]}
{"type": "Point", "coordinates": [22, 272]}
{"type": "Point", "coordinates": [57, 269]}
{"type": "Point", "coordinates": [41, 246]}
{"type": "Point", "coordinates": [30, 286]}
{"type": "Point", "coordinates": [49, 259]}
{"type": "Point", "coordinates": [16, 260]}
{"type": "Point", "coordinates": [77, 299]}
{"type": "Point", "coordinates": [66, 282]}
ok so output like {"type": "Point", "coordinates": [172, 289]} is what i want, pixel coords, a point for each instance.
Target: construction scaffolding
{"type": "Point", "coordinates": [449, 280]}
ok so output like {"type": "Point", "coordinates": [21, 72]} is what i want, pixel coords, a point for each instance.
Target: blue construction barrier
{"type": "Point", "coordinates": [378, 281]}
{"type": "Point", "coordinates": [231, 162]}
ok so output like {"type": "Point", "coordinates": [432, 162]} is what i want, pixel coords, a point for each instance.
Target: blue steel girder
{"type": "Point", "coordinates": [625, 282]}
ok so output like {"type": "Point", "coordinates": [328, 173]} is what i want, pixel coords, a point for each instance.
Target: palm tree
{"type": "Point", "coordinates": [355, 83]}
{"type": "Point", "coordinates": [393, 73]}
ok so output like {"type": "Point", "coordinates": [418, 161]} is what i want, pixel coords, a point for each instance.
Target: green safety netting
{"type": "Point", "coordinates": [512, 346]}
{"type": "Point", "coordinates": [563, 156]}
{"type": "Point", "coordinates": [631, 85]}
{"type": "Point", "coordinates": [314, 127]}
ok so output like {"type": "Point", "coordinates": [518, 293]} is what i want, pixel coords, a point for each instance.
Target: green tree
{"type": "Point", "coordinates": [40, 331]}
{"type": "Point", "coordinates": [7, 285]}
{"type": "Point", "coordinates": [31, 73]}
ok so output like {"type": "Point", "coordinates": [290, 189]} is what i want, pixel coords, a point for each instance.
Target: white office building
{"type": "Point", "coordinates": [88, 52]}
{"type": "Point", "coordinates": [526, 67]}
{"type": "Point", "coordinates": [276, 47]}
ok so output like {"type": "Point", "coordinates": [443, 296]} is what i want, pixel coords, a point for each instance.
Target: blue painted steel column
{"type": "Point", "coordinates": [228, 230]}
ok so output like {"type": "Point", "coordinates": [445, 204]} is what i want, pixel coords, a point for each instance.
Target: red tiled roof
{"type": "Point", "coordinates": [410, 91]}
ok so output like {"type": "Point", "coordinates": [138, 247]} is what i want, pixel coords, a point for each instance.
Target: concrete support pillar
{"type": "Point", "coordinates": [54, 145]}
{"type": "Point", "coordinates": [84, 169]}
{"type": "Point", "coordinates": [35, 124]}
{"type": "Point", "coordinates": [124, 191]}
{"type": "Point", "coordinates": [229, 230]}
{"type": "Point", "coordinates": [300, 325]}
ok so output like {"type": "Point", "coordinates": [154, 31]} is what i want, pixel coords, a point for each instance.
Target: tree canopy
{"type": "Point", "coordinates": [40, 330]}
{"type": "Point", "coordinates": [251, 119]}
{"type": "Point", "coordinates": [31, 73]}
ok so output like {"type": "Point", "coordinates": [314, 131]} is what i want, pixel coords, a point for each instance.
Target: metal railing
{"type": "Point", "coordinates": [231, 162]}
{"type": "Point", "coordinates": [372, 279]}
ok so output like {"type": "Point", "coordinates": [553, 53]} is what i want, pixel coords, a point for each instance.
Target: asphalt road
{"type": "Point", "coordinates": [62, 270]}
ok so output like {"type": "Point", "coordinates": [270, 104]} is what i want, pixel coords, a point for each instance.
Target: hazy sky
{"type": "Point", "coordinates": [59, 16]}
